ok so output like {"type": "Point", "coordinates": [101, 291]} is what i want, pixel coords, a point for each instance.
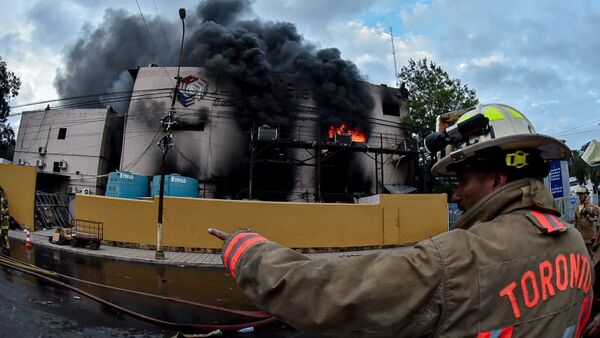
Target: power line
{"type": "Point", "coordinates": [163, 30]}
{"type": "Point", "coordinates": [35, 103]}
{"type": "Point", "coordinates": [134, 162]}
{"type": "Point", "coordinates": [582, 132]}
{"type": "Point", "coordinates": [153, 44]}
{"type": "Point", "coordinates": [567, 130]}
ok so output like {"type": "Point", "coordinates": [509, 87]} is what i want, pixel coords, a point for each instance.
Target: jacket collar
{"type": "Point", "coordinates": [527, 193]}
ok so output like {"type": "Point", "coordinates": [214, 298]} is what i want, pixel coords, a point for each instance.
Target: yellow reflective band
{"type": "Point", "coordinates": [493, 113]}
{"type": "Point", "coordinates": [464, 117]}
{"type": "Point", "coordinates": [517, 159]}
{"type": "Point", "coordinates": [515, 113]}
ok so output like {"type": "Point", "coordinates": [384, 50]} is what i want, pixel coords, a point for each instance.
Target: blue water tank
{"type": "Point", "coordinates": [176, 185]}
{"type": "Point", "coordinates": [127, 185]}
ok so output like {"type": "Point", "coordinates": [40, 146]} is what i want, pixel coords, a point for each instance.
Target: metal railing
{"type": "Point", "coordinates": [52, 210]}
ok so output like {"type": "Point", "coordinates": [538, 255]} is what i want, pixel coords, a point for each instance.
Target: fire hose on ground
{"type": "Point", "coordinates": [260, 318]}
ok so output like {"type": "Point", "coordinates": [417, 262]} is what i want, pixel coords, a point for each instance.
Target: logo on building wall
{"type": "Point", "coordinates": [191, 89]}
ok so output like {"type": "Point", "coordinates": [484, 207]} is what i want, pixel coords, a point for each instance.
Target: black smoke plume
{"type": "Point", "coordinates": [225, 42]}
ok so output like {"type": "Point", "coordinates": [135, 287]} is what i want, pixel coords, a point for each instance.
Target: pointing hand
{"type": "Point", "coordinates": [222, 235]}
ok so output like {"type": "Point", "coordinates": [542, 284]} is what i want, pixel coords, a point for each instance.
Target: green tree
{"type": "Point", "coordinates": [432, 92]}
{"type": "Point", "coordinates": [9, 88]}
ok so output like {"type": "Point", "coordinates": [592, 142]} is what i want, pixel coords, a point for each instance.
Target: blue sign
{"type": "Point", "coordinates": [556, 180]}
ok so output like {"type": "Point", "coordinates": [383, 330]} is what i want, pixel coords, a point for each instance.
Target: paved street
{"type": "Point", "coordinates": [36, 308]}
{"type": "Point", "coordinates": [52, 311]}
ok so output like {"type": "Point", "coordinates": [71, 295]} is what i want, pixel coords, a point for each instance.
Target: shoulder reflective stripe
{"type": "Point", "coordinates": [556, 221]}
{"type": "Point", "coordinates": [247, 244]}
{"type": "Point", "coordinates": [514, 113]}
{"type": "Point", "coordinates": [584, 315]}
{"type": "Point", "coordinates": [506, 332]}
{"type": "Point", "coordinates": [493, 113]}
{"type": "Point", "coordinates": [464, 117]}
{"type": "Point", "coordinates": [233, 243]}
{"type": "Point", "coordinates": [549, 222]}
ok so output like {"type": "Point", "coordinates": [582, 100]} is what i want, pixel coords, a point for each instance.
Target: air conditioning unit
{"type": "Point", "coordinates": [40, 164]}
{"type": "Point", "coordinates": [86, 191]}
{"type": "Point", "coordinates": [267, 133]}
{"type": "Point", "coordinates": [344, 139]}
{"type": "Point", "coordinates": [72, 190]}
{"type": "Point", "coordinates": [62, 164]}
{"type": "Point", "coordinates": [42, 150]}
{"type": "Point", "coordinates": [21, 161]}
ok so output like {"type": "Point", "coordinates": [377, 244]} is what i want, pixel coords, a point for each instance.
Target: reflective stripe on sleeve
{"type": "Point", "coordinates": [233, 243]}
{"type": "Point", "coordinates": [248, 242]}
{"type": "Point", "coordinates": [584, 315]}
{"type": "Point", "coordinates": [506, 332]}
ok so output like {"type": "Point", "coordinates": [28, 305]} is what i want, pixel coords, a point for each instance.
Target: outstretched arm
{"type": "Point", "coordinates": [386, 293]}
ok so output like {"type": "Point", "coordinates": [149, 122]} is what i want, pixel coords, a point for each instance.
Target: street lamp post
{"type": "Point", "coordinates": [166, 143]}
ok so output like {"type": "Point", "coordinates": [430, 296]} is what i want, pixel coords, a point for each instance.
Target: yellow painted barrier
{"type": "Point", "coordinates": [392, 220]}
{"type": "Point", "coordinates": [19, 183]}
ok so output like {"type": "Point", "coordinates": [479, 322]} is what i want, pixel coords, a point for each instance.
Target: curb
{"type": "Point", "coordinates": [42, 240]}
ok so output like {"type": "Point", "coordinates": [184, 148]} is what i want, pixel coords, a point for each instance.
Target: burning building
{"type": "Point", "coordinates": [262, 113]}
{"type": "Point", "coordinates": [291, 148]}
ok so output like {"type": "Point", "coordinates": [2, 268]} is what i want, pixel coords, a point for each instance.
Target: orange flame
{"type": "Point", "coordinates": [357, 135]}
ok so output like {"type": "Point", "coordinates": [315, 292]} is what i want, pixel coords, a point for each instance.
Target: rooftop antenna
{"type": "Point", "coordinates": [394, 54]}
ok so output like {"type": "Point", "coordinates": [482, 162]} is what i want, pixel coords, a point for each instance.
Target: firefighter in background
{"type": "Point", "coordinates": [510, 268]}
{"type": "Point", "coordinates": [587, 217]}
{"type": "Point", "coordinates": [584, 218]}
{"type": "Point", "coordinates": [4, 220]}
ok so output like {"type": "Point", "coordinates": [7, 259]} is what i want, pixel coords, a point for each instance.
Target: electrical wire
{"type": "Point", "coordinates": [581, 132]}
{"type": "Point", "coordinates": [153, 43]}
{"type": "Point", "coordinates": [577, 127]}
{"type": "Point", "coordinates": [134, 162]}
{"type": "Point", "coordinates": [163, 31]}
{"type": "Point", "coordinates": [70, 98]}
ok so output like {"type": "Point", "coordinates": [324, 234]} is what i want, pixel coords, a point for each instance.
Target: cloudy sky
{"type": "Point", "coordinates": [538, 56]}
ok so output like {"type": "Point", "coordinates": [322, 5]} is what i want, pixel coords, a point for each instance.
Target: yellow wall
{"type": "Point", "coordinates": [397, 219]}
{"type": "Point", "coordinates": [18, 183]}
{"type": "Point", "coordinates": [125, 220]}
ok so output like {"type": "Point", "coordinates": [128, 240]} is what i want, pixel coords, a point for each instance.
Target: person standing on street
{"type": "Point", "coordinates": [582, 222]}
{"type": "Point", "coordinates": [510, 268]}
{"type": "Point", "coordinates": [4, 221]}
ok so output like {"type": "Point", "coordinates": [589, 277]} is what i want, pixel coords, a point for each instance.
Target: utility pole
{"type": "Point", "coordinates": [166, 143]}
{"type": "Point", "coordinates": [394, 54]}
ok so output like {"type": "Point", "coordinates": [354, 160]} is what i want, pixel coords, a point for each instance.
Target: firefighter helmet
{"type": "Point", "coordinates": [490, 126]}
{"type": "Point", "coordinates": [582, 190]}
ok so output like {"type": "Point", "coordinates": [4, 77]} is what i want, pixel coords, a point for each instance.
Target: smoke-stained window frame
{"type": "Point", "coordinates": [62, 133]}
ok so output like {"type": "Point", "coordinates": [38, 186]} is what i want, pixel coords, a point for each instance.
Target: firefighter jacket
{"type": "Point", "coordinates": [510, 269]}
{"type": "Point", "coordinates": [584, 223]}
{"type": "Point", "coordinates": [4, 214]}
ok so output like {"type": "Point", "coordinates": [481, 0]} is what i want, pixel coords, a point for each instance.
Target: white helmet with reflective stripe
{"type": "Point", "coordinates": [487, 126]}
{"type": "Point", "coordinates": [582, 190]}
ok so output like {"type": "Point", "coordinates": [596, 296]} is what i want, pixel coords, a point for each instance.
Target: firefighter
{"type": "Point", "coordinates": [4, 220]}
{"type": "Point", "coordinates": [510, 268]}
{"type": "Point", "coordinates": [584, 218]}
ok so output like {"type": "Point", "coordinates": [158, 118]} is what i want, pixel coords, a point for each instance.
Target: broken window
{"type": "Point", "coordinates": [62, 133]}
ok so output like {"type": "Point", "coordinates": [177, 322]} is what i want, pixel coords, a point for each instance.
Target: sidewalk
{"type": "Point", "coordinates": [41, 238]}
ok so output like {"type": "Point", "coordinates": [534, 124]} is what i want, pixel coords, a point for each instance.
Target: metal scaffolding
{"type": "Point", "coordinates": [315, 148]}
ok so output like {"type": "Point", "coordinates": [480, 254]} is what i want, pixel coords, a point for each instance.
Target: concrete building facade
{"type": "Point", "coordinates": [214, 133]}
{"type": "Point", "coordinates": [73, 149]}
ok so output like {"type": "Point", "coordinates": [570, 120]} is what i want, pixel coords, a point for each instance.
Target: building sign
{"type": "Point", "coordinates": [191, 89]}
{"type": "Point", "coordinates": [556, 179]}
